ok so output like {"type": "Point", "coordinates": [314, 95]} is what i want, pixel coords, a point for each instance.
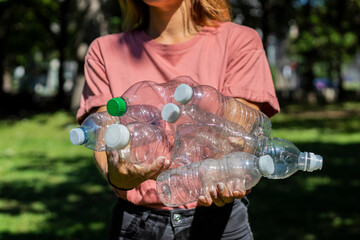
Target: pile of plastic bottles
{"type": "Point", "coordinates": [209, 138]}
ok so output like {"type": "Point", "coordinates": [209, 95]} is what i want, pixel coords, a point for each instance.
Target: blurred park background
{"type": "Point", "coordinates": [50, 189]}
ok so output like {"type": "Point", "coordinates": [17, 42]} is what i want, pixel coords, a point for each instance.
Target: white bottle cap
{"type": "Point", "coordinates": [183, 93]}
{"type": "Point", "coordinates": [266, 165]}
{"type": "Point", "coordinates": [315, 163]}
{"type": "Point", "coordinates": [77, 136]}
{"type": "Point", "coordinates": [117, 136]}
{"type": "Point", "coordinates": [170, 112]}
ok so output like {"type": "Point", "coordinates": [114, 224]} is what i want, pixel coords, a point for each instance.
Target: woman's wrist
{"type": "Point", "coordinates": [116, 187]}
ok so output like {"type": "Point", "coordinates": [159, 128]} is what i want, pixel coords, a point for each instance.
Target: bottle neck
{"type": "Point", "coordinates": [309, 162]}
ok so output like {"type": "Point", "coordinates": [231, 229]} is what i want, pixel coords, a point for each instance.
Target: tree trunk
{"type": "Point", "coordinates": [341, 93]}
{"type": "Point", "coordinates": [61, 43]}
{"type": "Point", "coordinates": [265, 22]}
{"type": "Point", "coordinates": [77, 91]}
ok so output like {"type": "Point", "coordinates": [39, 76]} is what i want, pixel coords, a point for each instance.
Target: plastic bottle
{"type": "Point", "coordinates": [138, 142]}
{"type": "Point", "coordinates": [143, 113]}
{"type": "Point", "coordinates": [91, 132]}
{"type": "Point", "coordinates": [215, 142]}
{"type": "Point", "coordinates": [196, 142]}
{"type": "Point", "coordinates": [147, 93]}
{"type": "Point", "coordinates": [141, 93]}
{"type": "Point", "coordinates": [177, 115]}
{"type": "Point", "coordinates": [211, 100]}
{"type": "Point", "coordinates": [238, 171]}
{"type": "Point", "coordinates": [288, 159]}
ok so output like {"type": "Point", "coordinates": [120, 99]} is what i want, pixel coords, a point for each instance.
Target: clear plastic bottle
{"type": "Point", "coordinates": [148, 93]}
{"type": "Point", "coordinates": [196, 142]}
{"type": "Point", "coordinates": [143, 113]}
{"type": "Point", "coordinates": [208, 141]}
{"type": "Point", "coordinates": [91, 132]}
{"type": "Point", "coordinates": [211, 100]}
{"type": "Point", "coordinates": [167, 89]}
{"type": "Point", "coordinates": [238, 171]}
{"type": "Point", "coordinates": [138, 142]}
{"type": "Point", "coordinates": [288, 159]}
{"type": "Point", "coordinates": [177, 115]}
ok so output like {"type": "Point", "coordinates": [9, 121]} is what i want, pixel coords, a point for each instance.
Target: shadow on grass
{"type": "Point", "coordinates": [318, 205]}
{"type": "Point", "coordinates": [77, 208]}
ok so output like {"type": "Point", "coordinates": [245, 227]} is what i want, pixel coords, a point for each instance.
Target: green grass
{"type": "Point", "coordinates": [313, 205]}
{"type": "Point", "coordinates": [50, 189]}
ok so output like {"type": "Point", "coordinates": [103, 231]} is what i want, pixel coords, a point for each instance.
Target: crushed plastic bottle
{"type": "Point", "coordinates": [211, 100]}
{"type": "Point", "coordinates": [238, 171]}
{"type": "Point", "coordinates": [138, 142]}
{"type": "Point", "coordinates": [177, 115]}
{"type": "Point", "coordinates": [196, 142]}
{"type": "Point", "coordinates": [207, 141]}
{"type": "Point", "coordinates": [147, 92]}
{"type": "Point", "coordinates": [91, 132]}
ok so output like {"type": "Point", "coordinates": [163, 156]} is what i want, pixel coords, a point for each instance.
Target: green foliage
{"type": "Point", "coordinates": [328, 32]}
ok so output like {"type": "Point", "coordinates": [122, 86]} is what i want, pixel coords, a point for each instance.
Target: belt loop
{"type": "Point", "coordinates": [246, 201]}
{"type": "Point", "coordinates": [145, 216]}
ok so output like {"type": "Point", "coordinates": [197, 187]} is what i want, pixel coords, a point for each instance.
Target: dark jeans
{"type": "Point", "coordinates": [137, 222]}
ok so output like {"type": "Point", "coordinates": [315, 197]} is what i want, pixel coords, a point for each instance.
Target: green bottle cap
{"type": "Point", "coordinates": [116, 107]}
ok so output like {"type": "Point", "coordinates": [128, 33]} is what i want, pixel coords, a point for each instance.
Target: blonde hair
{"type": "Point", "coordinates": [135, 13]}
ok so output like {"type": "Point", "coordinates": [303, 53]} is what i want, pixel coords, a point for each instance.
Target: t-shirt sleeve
{"type": "Point", "coordinates": [248, 74]}
{"type": "Point", "coordinates": [96, 90]}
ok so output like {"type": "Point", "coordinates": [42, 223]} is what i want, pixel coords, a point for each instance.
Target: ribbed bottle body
{"type": "Point", "coordinates": [254, 121]}
{"type": "Point", "coordinates": [211, 100]}
{"type": "Point", "coordinates": [182, 185]}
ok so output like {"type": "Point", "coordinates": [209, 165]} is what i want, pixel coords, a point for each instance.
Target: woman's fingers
{"type": "Point", "coordinates": [159, 165]}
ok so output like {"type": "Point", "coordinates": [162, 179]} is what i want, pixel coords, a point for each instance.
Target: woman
{"type": "Point", "coordinates": [164, 39]}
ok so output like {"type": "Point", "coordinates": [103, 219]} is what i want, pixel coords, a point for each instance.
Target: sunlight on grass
{"type": "Point", "coordinates": [338, 124]}
{"type": "Point", "coordinates": [44, 178]}
{"type": "Point", "coordinates": [312, 182]}
{"type": "Point", "coordinates": [22, 223]}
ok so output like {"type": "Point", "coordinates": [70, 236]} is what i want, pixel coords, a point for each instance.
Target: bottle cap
{"type": "Point", "coordinates": [316, 162]}
{"type": "Point", "coordinates": [183, 93]}
{"type": "Point", "coordinates": [170, 112]}
{"type": "Point", "coordinates": [77, 136]}
{"type": "Point", "coordinates": [266, 165]}
{"type": "Point", "coordinates": [117, 136]}
{"type": "Point", "coordinates": [116, 107]}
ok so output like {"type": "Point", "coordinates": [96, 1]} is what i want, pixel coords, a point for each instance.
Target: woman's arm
{"type": "Point", "coordinates": [254, 105]}
{"type": "Point", "coordinates": [123, 174]}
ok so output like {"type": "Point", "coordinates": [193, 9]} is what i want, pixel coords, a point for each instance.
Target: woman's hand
{"type": "Point", "coordinates": [127, 175]}
{"type": "Point", "coordinates": [221, 196]}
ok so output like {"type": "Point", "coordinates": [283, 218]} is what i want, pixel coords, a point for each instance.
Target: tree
{"type": "Point", "coordinates": [271, 16]}
{"type": "Point", "coordinates": [328, 35]}
{"type": "Point", "coordinates": [62, 29]}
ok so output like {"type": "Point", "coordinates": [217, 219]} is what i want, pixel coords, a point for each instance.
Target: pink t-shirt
{"type": "Point", "coordinates": [229, 57]}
